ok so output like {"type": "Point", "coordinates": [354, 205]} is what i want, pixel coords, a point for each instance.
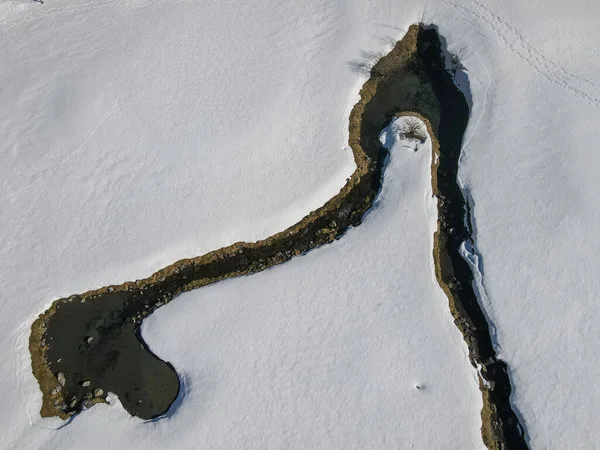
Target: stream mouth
{"type": "Point", "coordinates": [87, 345]}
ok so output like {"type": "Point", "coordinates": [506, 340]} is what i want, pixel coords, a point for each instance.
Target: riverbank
{"type": "Point", "coordinates": [84, 345]}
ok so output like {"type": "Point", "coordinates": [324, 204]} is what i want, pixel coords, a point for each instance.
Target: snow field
{"type": "Point", "coordinates": [138, 133]}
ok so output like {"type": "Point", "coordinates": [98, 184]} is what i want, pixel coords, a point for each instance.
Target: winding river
{"type": "Point", "coordinates": [89, 344]}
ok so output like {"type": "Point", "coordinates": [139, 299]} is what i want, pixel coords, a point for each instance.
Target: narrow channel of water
{"type": "Point", "coordinates": [501, 427]}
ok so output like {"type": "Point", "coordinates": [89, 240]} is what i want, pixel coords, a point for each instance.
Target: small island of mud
{"type": "Point", "coordinates": [89, 344]}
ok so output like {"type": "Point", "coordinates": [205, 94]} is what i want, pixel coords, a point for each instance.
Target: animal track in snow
{"type": "Point", "coordinates": [514, 40]}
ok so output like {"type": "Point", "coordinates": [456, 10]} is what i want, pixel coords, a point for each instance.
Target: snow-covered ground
{"type": "Point", "coordinates": [531, 168]}
{"type": "Point", "coordinates": [135, 133]}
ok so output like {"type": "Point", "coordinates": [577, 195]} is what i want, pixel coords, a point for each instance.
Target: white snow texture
{"type": "Point", "coordinates": [136, 133]}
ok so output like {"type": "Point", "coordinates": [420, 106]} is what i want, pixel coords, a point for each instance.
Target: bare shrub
{"type": "Point", "coordinates": [364, 65]}
{"type": "Point", "coordinates": [413, 130]}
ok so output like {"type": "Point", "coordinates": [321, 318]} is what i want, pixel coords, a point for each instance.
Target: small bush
{"type": "Point", "coordinates": [413, 130]}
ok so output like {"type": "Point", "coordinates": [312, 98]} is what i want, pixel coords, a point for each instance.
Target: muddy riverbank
{"type": "Point", "coordinates": [89, 344]}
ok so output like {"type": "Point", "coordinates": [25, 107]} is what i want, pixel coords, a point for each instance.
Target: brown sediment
{"type": "Point", "coordinates": [92, 338]}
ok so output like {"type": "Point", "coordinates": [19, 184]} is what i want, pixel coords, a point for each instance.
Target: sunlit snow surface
{"type": "Point", "coordinates": [136, 133]}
